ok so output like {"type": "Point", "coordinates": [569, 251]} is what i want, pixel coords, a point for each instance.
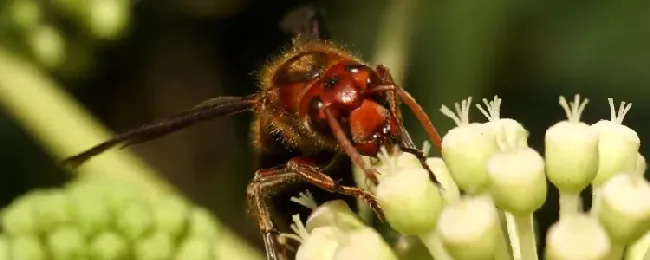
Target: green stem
{"type": "Point", "coordinates": [433, 242]}
{"type": "Point", "coordinates": [639, 249]}
{"type": "Point", "coordinates": [616, 252]}
{"type": "Point", "coordinates": [64, 128]}
{"type": "Point", "coordinates": [526, 235]}
{"type": "Point", "coordinates": [502, 252]}
{"type": "Point", "coordinates": [570, 204]}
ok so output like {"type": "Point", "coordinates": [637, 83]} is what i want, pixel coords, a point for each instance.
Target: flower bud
{"type": "Point", "coordinates": [470, 228]}
{"type": "Point", "coordinates": [410, 201]}
{"type": "Point", "coordinates": [624, 208]}
{"type": "Point", "coordinates": [170, 215]}
{"type": "Point", "coordinates": [26, 14]}
{"type": "Point", "coordinates": [19, 219]}
{"type": "Point", "coordinates": [577, 237]}
{"type": "Point", "coordinates": [195, 249]}
{"type": "Point", "coordinates": [322, 243]}
{"type": "Point", "coordinates": [467, 149]}
{"type": "Point", "coordinates": [571, 150]}
{"type": "Point", "coordinates": [108, 19]}
{"type": "Point", "coordinates": [449, 190]}
{"type": "Point", "coordinates": [48, 45]}
{"type": "Point", "coordinates": [108, 246]}
{"type": "Point", "coordinates": [156, 245]}
{"type": "Point", "coordinates": [517, 180]}
{"type": "Point", "coordinates": [4, 247]}
{"type": "Point", "coordinates": [65, 243]}
{"type": "Point", "coordinates": [333, 213]}
{"type": "Point", "coordinates": [364, 243]}
{"type": "Point", "coordinates": [27, 247]}
{"type": "Point", "coordinates": [503, 126]}
{"type": "Point", "coordinates": [135, 220]}
{"type": "Point", "coordinates": [618, 145]}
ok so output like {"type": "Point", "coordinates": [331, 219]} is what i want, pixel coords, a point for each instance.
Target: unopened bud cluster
{"type": "Point", "coordinates": [99, 220]}
{"type": "Point", "coordinates": [42, 31]}
{"type": "Point", "coordinates": [490, 184]}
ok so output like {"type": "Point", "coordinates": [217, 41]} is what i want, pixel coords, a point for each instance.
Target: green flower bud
{"type": "Point", "coordinates": [48, 45]}
{"type": "Point", "coordinates": [106, 221]}
{"type": "Point", "coordinates": [470, 228]}
{"type": "Point", "coordinates": [20, 219]}
{"type": "Point", "coordinates": [54, 208]}
{"type": "Point", "coordinates": [108, 246]}
{"type": "Point", "coordinates": [517, 180]}
{"type": "Point", "coordinates": [4, 247]}
{"type": "Point", "coordinates": [92, 216]}
{"type": "Point", "coordinates": [170, 215]}
{"type": "Point", "coordinates": [577, 236]}
{"type": "Point", "coordinates": [195, 249]}
{"type": "Point", "coordinates": [26, 247]}
{"type": "Point", "coordinates": [26, 14]}
{"type": "Point", "coordinates": [625, 209]}
{"type": "Point", "coordinates": [467, 149]}
{"type": "Point", "coordinates": [410, 201]}
{"type": "Point", "coordinates": [618, 145]}
{"type": "Point", "coordinates": [108, 19]}
{"type": "Point", "coordinates": [65, 243]}
{"type": "Point", "coordinates": [202, 224]}
{"type": "Point", "coordinates": [364, 243]}
{"type": "Point", "coordinates": [135, 220]}
{"type": "Point", "coordinates": [156, 246]}
{"type": "Point", "coordinates": [571, 150]}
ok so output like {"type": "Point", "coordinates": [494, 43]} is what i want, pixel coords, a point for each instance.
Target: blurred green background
{"type": "Point", "coordinates": [129, 62]}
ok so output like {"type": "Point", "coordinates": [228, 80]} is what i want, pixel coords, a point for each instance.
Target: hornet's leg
{"type": "Point", "coordinates": [316, 176]}
{"type": "Point", "coordinates": [270, 181]}
{"type": "Point", "coordinates": [266, 184]}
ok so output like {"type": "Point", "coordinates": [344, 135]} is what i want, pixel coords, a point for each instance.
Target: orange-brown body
{"type": "Point", "coordinates": [307, 71]}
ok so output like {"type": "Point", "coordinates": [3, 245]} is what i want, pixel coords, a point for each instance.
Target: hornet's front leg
{"type": "Point", "coordinates": [269, 182]}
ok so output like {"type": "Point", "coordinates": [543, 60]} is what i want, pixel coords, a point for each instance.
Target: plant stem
{"type": "Point", "coordinates": [433, 242]}
{"type": "Point", "coordinates": [64, 128]}
{"type": "Point", "coordinates": [639, 249]}
{"type": "Point", "coordinates": [570, 204]}
{"type": "Point", "coordinates": [526, 234]}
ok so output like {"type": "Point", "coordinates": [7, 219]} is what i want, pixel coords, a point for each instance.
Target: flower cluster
{"type": "Point", "coordinates": [491, 183]}
{"type": "Point", "coordinates": [102, 220]}
{"type": "Point", "coordinates": [42, 29]}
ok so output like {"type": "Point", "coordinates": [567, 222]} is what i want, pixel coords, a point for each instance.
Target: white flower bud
{"type": "Point", "coordinates": [503, 126]}
{"type": "Point", "coordinates": [618, 145]}
{"type": "Point", "coordinates": [410, 201]}
{"type": "Point", "coordinates": [577, 237]}
{"type": "Point", "coordinates": [333, 213]}
{"type": "Point", "coordinates": [517, 180]}
{"type": "Point", "coordinates": [641, 165]}
{"type": "Point", "coordinates": [364, 243]}
{"type": "Point", "coordinates": [470, 229]}
{"type": "Point", "coordinates": [449, 190]}
{"type": "Point", "coordinates": [625, 208]}
{"type": "Point", "coordinates": [321, 244]}
{"type": "Point", "coordinates": [467, 149]}
{"type": "Point", "coordinates": [571, 150]}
